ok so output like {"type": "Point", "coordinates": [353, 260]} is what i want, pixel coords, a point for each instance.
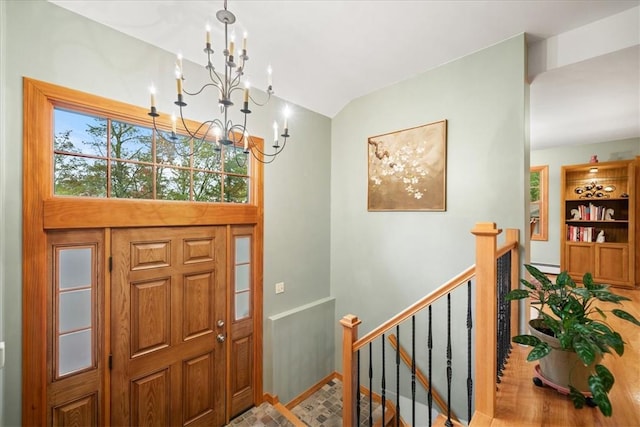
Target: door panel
{"type": "Point", "coordinates": [168, 292]}
{"type": "Point", "coordinates": [81, 412]}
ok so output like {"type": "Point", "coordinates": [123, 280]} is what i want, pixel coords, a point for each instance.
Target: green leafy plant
{"type": "Point", "coordinates": [568, 312]}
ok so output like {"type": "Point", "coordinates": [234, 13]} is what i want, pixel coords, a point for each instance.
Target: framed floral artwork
{"type": "Point", "coordinates": [407, 169]}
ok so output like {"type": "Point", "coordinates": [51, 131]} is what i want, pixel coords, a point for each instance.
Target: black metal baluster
{"type": "Point", "coordinates": [413, 370]}
{"type": "Point", "coordinates": [507, 305]}
{"type": "Point", "coordinates": [384, 383]}
{"type": "Point", "coordinates": [469, 327]}
{"type": "Point", "coordinates": [370, 384]}
{"type": "Point", "coordinates": [448, 423]}
{"type": "Point", "coordinates": [358, 391]}
{"type": "Point", "coordinates": [499, 320]}
{"type": "Point", "coordinates": [398, 376]}
{"type": "Point", "coordinates": [430, 350]}
{"type": "Point", "coordinates": [504, 313]}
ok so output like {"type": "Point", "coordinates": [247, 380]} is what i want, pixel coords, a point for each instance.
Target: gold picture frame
{"type": "Point", "coordinates": [407, 169]}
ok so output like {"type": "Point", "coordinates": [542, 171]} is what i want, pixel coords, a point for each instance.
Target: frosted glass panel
{"type": "Point", "coordinates": [242, 250]}
{"type": "Point", "coordinates": [242, 305]}
{"type": "Point", "coordinates": [75, 268]}
{"type": "Point", "coordinates": [242, 277]}
{"type": "Point", "coordinates": [74, 352]}
{"type": "Point", "coordinates": [75, 310]}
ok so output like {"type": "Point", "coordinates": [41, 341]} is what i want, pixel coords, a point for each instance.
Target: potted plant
{"type": "Point", "coordinates": [576, 325]}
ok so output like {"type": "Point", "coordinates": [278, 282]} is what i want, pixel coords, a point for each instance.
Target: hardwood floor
{"type": "Point", "coordinates": [521, 403]}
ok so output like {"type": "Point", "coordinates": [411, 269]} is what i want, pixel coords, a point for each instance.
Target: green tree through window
{"type": "Point", "coordinates": [101, 157]}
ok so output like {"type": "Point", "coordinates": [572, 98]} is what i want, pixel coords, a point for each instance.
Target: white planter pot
{"type": "Point", "coordinates": [563, 367]}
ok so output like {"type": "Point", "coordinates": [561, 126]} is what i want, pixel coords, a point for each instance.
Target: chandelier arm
{"type": "Point", "coordinates": [210, 125]}
{"type": "Point", "coordinates": [253, 147]}
{"type": "Point", "coordinates": [193, 135]}
{"type": "Point", "coordinates": [243, 164]}
{"type": "Point", "coordinates": [235, 82]}
{"type": "Point", "coordinates": [217, 81]}
{"type": "Point", "coordinates": [201, 89]}
{"type": "Point", "coordinates": [271, 157]}
{"type": "Point", "coordinates": [159, 132]}
{"type": "Point", "coordinates": [261, 104]}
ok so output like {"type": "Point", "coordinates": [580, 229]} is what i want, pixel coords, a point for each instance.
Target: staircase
{"type": "Point", "coordinates": [489, 321]}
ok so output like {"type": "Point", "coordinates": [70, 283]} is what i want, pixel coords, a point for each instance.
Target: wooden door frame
{"type": "Point", "coordinates": [41, 211]}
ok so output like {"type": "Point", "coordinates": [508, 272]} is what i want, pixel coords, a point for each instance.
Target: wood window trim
{"type": "Point", "coordinates": [543, 221]}
{"type": "Point", "coordinates": [42, 211]}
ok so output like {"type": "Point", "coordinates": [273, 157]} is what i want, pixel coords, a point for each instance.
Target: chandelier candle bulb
{"type": "Point", "coordinates": [173, 123]}
{"type": "Point", "coordinates": [246, 94]}
{"type": "Point", "coordinates": [275, 131]}
{"type": "Point", "coordinates": [152, 90]}
{"type": "Point", "coordinates": [208, 29]}
{"type": "Point", "coordinates": [179, 65]}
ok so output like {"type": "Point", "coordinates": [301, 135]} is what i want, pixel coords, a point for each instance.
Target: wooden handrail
{"type": "Point", "coordinates": [421, 377]}
{"type": "Point", "coordinates": [412, 310]}
{"type": "Point", "coordinates": [508, 246]}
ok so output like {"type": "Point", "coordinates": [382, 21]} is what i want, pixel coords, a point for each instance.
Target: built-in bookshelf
{"type": "Point", "coordinates": [598, 221]}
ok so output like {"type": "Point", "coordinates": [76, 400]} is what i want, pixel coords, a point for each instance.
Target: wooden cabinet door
{"type": "Point", "coordinates": [612, 264]}
{"type": "Point", "coordinates": [168, 296]}
{"type": "Point", "coordinates": [579, 258]}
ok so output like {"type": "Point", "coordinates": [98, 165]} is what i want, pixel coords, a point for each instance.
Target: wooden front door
{"type": "Point", "coordinates": [168, 311]}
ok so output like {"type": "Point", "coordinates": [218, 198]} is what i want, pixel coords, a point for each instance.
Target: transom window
{"type": "Point", "coordinates": [104, 157]}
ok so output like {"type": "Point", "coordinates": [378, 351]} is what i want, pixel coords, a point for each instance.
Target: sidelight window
{"type": "Point", "coordinates": [242, 270]}
{"type": "Point", "coordinates": [74, 318]}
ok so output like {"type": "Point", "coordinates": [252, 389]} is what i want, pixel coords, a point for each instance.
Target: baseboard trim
{"type": "Point", "coordinates": [270, 398]}
{"type": "Point", "coordinates": [297, 400]}
{"type": "Point", "coordinates": [547, 268]}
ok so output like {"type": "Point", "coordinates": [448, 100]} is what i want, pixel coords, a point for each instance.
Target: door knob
{"type": "Point", "coordinates": [220, 323]}
{"type": "Point", "coordinates": [220, 338]}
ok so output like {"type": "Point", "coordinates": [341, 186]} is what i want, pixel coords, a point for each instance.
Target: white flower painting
{"type": "Point", "coordinates": [407, 169]}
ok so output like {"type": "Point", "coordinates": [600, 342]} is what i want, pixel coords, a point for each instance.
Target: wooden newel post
{"type": "Point", "coordinates": [349, 370]}
{"type": "Point", "coordinates": [486, 309]}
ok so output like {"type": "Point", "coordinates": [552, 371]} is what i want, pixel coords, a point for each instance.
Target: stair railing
{"type": "Point", "coordinates": [487, 354]}
{"type": "Point", "coordinates": [417, 372]}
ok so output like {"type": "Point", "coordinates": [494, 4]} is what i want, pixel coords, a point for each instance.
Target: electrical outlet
{"type": "Point", "coordinates": [279, 287]}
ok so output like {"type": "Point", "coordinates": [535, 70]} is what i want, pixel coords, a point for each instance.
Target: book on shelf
{"type": "Point", "coordinates": [591, 212]}
{"type": "Point", "coordinates": [581, 234]}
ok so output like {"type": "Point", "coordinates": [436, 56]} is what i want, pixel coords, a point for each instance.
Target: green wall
{"type": "Point", "coordinates": [548, 252]}
{"type": "Point", "coordinates": [45, 42]}
{"type": "Point", "coordinates": [319, 238]}
{"type": "Point", "coordinates": [395, 258]}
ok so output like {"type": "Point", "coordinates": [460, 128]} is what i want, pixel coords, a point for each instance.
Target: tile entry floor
{"type": "Point", "coordinates": [321, 409]}
{"type": "Point", "coordinates": [264, 415]}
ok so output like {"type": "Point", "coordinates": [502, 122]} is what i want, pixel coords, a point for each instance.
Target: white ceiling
{"type": "Point", "coordinates": [326, 53]}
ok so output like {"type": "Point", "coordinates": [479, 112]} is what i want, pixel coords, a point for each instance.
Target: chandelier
{"type": "Point", "coordinates": [221, 130]}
